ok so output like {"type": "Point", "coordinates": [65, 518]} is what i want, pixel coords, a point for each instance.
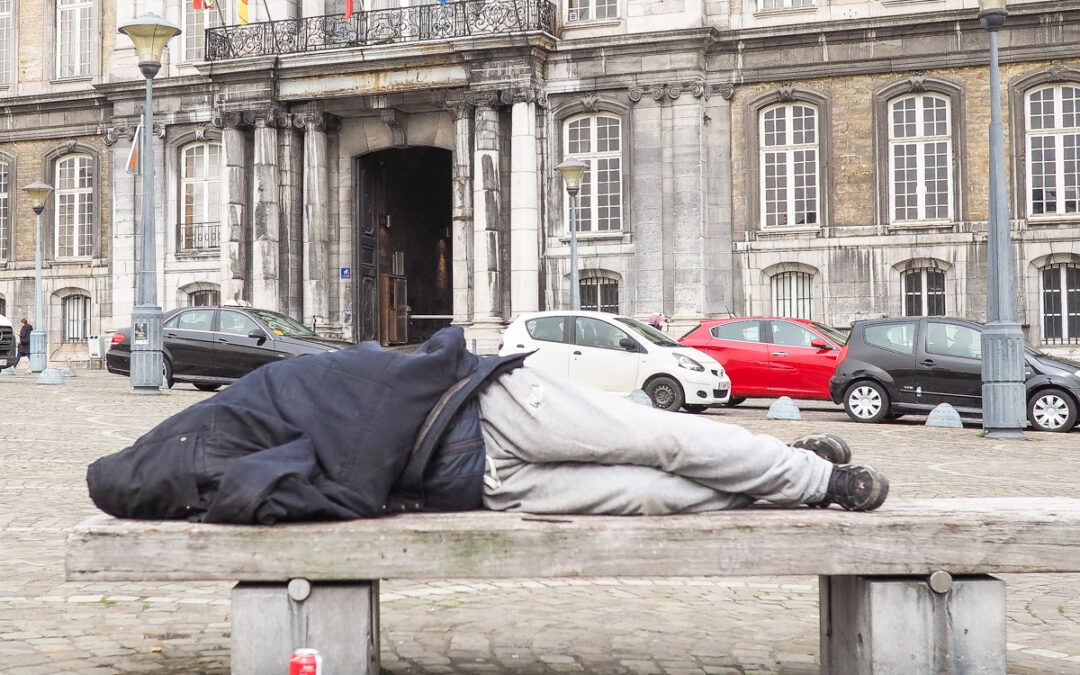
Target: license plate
{"type": "Point", "coordinates": [3, 362]}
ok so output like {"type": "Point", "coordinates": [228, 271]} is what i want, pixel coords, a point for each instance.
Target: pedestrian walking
{"type": "Point", "coordinates": [24, 343]}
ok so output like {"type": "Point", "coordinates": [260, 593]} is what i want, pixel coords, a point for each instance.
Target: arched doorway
{"type": "Point", "coordinates": [404, 256]}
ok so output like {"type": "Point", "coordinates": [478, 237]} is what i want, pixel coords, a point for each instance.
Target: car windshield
{"type": "Point", "coordinates": [833, 334]}
{"type": "Point", "coordinates": [648, 332]}
{"type": "Point", "coordinates": [283, 325]}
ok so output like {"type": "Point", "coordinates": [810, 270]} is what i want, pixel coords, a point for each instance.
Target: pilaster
{"type": "Point", "coordinates": [316, 248]}
{"type": "Point", "coordinates": [524, 208]}
{"type": "Point", "coordinates": [265, 223]}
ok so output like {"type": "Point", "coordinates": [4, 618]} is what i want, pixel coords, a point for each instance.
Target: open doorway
{"type": "Point", "coordinates": [404, 256]}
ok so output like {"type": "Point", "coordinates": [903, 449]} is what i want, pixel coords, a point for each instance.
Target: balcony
{"type": "Point", "coordinates": [193, 237]}
{"type": "Point", "coordinates": [467, 18]}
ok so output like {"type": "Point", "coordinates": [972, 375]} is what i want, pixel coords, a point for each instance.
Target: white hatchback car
{"type": "Point", "coordinates": [619, 354]}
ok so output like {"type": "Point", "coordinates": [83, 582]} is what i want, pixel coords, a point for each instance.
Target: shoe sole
{"type": "Point", "coordinates": [826, 446]}
{"type": "Point", "coordinates": [878, 492]}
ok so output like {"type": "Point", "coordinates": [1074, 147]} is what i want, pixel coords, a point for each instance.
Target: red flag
{"type": "Point", "coordinates": [198, 4]}
{"type": "Point", "coordinates": [348, 9]}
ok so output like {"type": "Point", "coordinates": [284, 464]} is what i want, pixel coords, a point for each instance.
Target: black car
{"type": "Point", "coordinates": [212, 346]}
{"type": "Point", "coordinates": [893, 366]}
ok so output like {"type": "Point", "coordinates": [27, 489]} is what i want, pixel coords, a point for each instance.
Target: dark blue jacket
{"type": "Point", "coordinates": [354, 433]}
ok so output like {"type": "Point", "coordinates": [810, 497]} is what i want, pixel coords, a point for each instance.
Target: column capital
{"type": "Point", "coordinates": [482, 99]}
{"type": "Point", "coordinates": [671, 91]}
{"type": "Point", "coordinates": [459, 108]}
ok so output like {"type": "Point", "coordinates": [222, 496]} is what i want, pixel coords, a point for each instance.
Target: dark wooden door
{"type": "Point", "coordinates": [367, 282]}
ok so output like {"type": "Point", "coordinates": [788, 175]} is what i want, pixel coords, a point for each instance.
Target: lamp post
{"type": "Point", "coordinates": [39, 338]}
{"type": "Point", "coordinates": [1002, 339]}
{"type": "Point", "coordinates": [572, 170]}
{"type": "Point", "coordinates": [149, 33]}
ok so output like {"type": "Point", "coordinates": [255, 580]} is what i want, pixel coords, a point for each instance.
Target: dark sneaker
{"type": "Point", "coordinates": [825, 446]}
{"type": "Point", "coordinates": [856, 488]}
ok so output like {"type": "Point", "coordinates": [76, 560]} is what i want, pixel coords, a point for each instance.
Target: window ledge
{"type": "Point", "coordinates": [1064, 219]}
{"type": "Point", "coordinates": [923, 225]}
{"type": "Point", "coordinates": [592, 23]}
{"type": "Point", "coordinates": [781, 232]}
{"type": "Point", "coordinates": [594, 237]}
{"type": "Point", "coordinates": [200, 253]}
{"type": "Point", "coordinates": [785, 11]}
{"type": "Point", "coordinates": [83, 260]}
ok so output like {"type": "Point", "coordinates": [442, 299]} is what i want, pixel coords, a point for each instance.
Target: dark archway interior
{"type": "Point", "coordinates": [413, 210]}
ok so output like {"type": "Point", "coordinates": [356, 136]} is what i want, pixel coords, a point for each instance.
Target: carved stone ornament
{"type": "Point", "coordinates": [69, 146]}
{"type": "Point", "coordinates": [159, 130]}
{"type": "Point", "coordinates": [785, 93]}
{"type": "Point", "coordinates": [1057, 72]}
{"type": "Point", "coordinates": [725, 90]}
{"type": "Point", "coordinates": [482, 99]}
{"type": "Point", "coordinates": [397, 132]}
{"type": "Point", "coordinates": [674, 91]}
{"type": "Point", "coordinates": [541, 98]}
{"type": "Point", "coordinates": [459, 109]}
{"type": "Point", "coordinates": [658, 92]}
{"type": "Point", "coordinates": [111, 135]}
{"type": "Point", "coordinates": [590, 102]}
{"type": "Point", "coordinates": [917, 83]}
{"type": "Point", "coordinates": [200, 133]}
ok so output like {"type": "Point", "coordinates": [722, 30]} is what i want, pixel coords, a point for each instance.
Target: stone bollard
{"type": "Point", "coordinates": [944, 415]}
{"type": "Point", "coordinates": [7, 371]}
{"type": "Point", "coordinates": [784, 408]}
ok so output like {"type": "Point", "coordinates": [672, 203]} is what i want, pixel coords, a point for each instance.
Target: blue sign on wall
{"type": "Point", "coordinates": [346, 273]}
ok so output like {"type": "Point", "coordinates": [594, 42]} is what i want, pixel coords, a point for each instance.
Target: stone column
{"type": "Point", "coordinates": [233, 237]}
{"type": "Point", "coordinates": [647, 208]}
{"type": "Point", "coordinates": [462, 211]}
{"type": "Point", "coordinates": [316, 219]}
{"type": "Point", "coordinates": [486, 244]}
{"type": "Point", "coordinates": [290, 215]}
{"type": "Point", "coordinates": [265, 224]}
{"type": "Point", "coordinates": [524, 209]}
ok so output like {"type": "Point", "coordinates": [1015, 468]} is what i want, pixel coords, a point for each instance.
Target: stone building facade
{"type": "Point", "coordinates": [385, 175]}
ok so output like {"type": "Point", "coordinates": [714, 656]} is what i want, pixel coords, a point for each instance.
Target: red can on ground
{"type": "Point", "coordinates": [305, 662]}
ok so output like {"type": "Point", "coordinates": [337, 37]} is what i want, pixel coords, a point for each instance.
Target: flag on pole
{"type": "Point", "coordinates": [242, 10]}
{"type": "Point", "coordinates": [348, 9]}
{"type": "Point", "coordinates": [133, 156]}
{"type": "Point", "coordinates": [203, 4]}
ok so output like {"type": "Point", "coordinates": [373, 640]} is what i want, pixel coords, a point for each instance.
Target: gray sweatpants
{"type": "Point", "coordinates": [559, 446]}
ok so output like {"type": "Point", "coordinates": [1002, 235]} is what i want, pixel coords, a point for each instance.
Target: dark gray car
{"type": "Point", "coordinates": [893, 366]}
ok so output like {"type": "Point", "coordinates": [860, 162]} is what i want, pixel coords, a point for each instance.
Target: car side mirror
{"type": "Point", "coordinates": [818, 343]}
{"type": "Point", "coordinates": [257, 334]}
{"type": "Point", "coordinates": [628, 344]}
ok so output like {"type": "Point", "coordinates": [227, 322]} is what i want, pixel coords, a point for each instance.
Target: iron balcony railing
{"type": "Point", "coordinates": [379, 27]}
{"type": "Point", "coordinates": [197, 236]}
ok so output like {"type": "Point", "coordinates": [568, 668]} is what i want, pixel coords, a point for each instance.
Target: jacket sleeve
{"type": "Point", "coordinates": [278, 484]}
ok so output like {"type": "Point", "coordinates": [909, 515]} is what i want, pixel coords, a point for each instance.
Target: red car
{"type": "Point", "coordinates": [771, 357]}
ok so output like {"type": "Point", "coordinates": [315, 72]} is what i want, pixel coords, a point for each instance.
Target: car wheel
{"type": "Point", "coordinates": [734, 401]}
{"type": "Point", "coordinates": [665, 393]}
{"type": "Point", "coordinates": [207, 387]}
{"type": "Point", "coordinates": [1052, 410]}
{"type": "Point", "coordinates": [866, 401]}
{"type": "Point", "coordinates": [695, 408]}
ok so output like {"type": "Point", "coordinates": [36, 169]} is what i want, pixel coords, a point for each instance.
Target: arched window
{"type": "Point", "coordinates": [920, 157]}
{"type": "Point", "coordinates": [74, 224]}
{"type": "Point", "coordinates": [200, 171]}
{"type": "Point", "coordinates": [789, 165]}
{"type": "Point", "coordinates": [196, 21]}
{"type": "Point", "coordinates": [600, 294]}
{"type": "Point", "coordinates": [791, 295]}
{"type": "Point", "coordinates": [5, 209]}
{"type": "Point", "coordinates": [597, 141]}
{"type": "Point", "coordinates": [924, 292]}
{"type": "Point", "coordinates": [76, 318]}
{"type": "Point", "coordinates": [204, 298]}
{"type": "Point", "coordinates": [1053, 150]}
{"type": "Point", "coordinates": [1061, 303]}
{"type": "Point", "coordinates": [74, 37]}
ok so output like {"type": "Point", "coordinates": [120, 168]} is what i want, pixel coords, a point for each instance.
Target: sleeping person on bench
{"type": "Point", "coordinates": [364, 432]}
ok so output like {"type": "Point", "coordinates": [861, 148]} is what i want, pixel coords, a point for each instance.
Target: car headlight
{"type": "Point", "coordinates": [689, 363]}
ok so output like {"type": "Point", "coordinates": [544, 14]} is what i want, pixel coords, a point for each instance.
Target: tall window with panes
{"type": "Point", "coordinates": [589, 10]}
{"type": "Point", "coordinates": [7, 42]}
{"type": "Point", "coordinates": [791, 295]}
{"type": "Point", "coordinates": [789, 165]}
{"type": "Point", "coordinates": [5, 211]}
{"type": "Point", "coordinates": [196, 21]}
{"type": "Point", "coordinates": [1053, 150]}
{"type": "Point", "coordinates": [597, 141]}
{"type": "Point", "coordinates": [74, 37]}
{"type": "Point", "coordinates": [784, 4]}
{"type": "Point", "coordinates": [200, 169]}
{"type": "Point", "coordinates": [76, 318]}
{"type": "Point", "coordinates": [74, 226]}
{"type": "Point", "coordinates": [920, 156]}
{"type": "Point", "coordinates": [924, 292]}
{"type": "Point", "coordinates": [1061, 303]}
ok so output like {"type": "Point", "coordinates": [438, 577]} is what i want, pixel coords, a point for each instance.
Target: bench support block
{"type": "Point", "coordinates": [340, 619]}
{"type": "Point", "coordinates": [886, 625]}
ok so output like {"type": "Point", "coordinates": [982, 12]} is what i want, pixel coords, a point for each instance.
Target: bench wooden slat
{"type": "Point", "coordinates": [961, 536]}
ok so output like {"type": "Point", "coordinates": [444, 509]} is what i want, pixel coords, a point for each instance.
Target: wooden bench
{"type": "Point", "coordinates": [903, 589]}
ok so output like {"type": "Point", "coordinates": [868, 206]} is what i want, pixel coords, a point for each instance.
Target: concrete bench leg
{"type": "Point", "coordinates": [885, 625]}
{"type": "Point", "coordinates": [340, 619]}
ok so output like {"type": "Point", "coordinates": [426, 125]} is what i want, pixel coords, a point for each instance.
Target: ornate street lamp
{"type": "Point", "coordinates": [572, 170]}
{"type": "Point", "coordinates": [1002, 340]}
{"type": "Point", "coordinates": [39, 338]}
{"type": "Point", "coordinates": [150, 33]}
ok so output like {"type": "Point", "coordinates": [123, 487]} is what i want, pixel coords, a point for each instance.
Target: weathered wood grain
{"type": "Point", "coordinates": [960, 536]}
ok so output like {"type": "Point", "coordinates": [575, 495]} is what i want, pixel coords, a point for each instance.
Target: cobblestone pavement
{"type": "Point", "coordinates": [48, 435]}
